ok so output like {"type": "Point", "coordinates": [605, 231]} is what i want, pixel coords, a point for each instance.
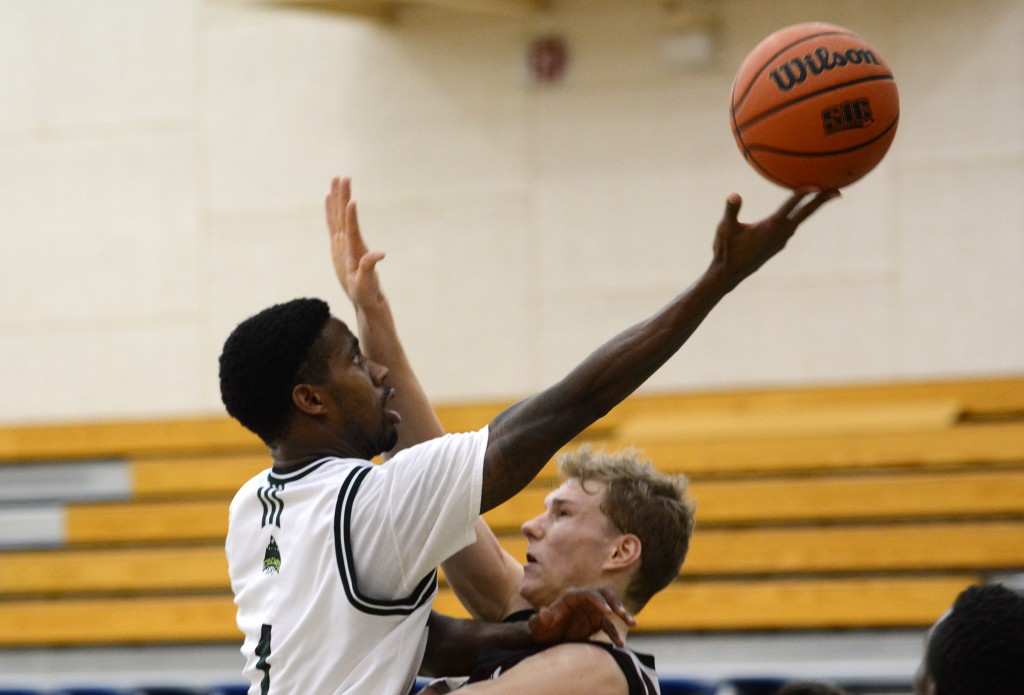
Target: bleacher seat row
{"type": "Point", "coordinates": [854, 506]}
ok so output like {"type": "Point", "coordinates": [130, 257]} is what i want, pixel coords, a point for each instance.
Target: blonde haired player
{"type": "Point", "coordinates": [607, 376]}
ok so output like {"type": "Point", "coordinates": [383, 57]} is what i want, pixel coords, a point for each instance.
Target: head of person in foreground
{"type": "Point", "coordinates": [977, 646]}
{"type": "Point", "coordinates": [614, 522]}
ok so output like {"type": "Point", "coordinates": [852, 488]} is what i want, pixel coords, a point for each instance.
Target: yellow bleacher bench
{"type": "Point", "coordinates": [843, 506]}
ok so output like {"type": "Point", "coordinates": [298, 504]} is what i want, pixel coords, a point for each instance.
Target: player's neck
{"type": "Point", "coordinates": [309, 441]}
{"type": "Point", "coordinates": [291, 456]}
{"type": "Point", "coordinates": [620, 627]}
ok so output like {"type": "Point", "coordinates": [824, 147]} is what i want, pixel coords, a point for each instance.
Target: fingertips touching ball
{"type": "Point", "coordinates": [814, 105]}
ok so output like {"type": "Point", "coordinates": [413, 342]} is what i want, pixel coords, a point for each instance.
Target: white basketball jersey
{"type": "Point", "coordinates": [334, 565]}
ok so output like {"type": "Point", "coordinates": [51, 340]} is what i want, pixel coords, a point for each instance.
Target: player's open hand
{"type": "Point", "coordinates": [740, 249]}
{"type": "Point", "coordinates": [354, 264]}
{"type": "Point", "coordinates": [578, 614]}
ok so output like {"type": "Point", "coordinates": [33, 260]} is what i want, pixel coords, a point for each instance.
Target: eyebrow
{"type": "Point", "coordinates": [553, 500]}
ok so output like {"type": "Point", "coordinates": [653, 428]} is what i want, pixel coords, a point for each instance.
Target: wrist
{"type": "Point", "coordinates": [718, 279]}
{"type": "Point", "coordinates": [375, 310]}
{"type": "Point", "coordinates": [375, 300]}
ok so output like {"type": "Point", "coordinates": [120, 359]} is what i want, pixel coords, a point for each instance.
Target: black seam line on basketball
{"type": "Point", "coordinates": [736, 133]}
{"type": "Point", "coordinates": [747, 155]}
{"type": "Point", "coordinates": [830, 153]}
{"type": "Point", "coordinates": [764, 172]}
{"type": "Point", "coordinates": [742, 143]}
{"type": "Point", "coordinates": [831, 88]}
{"type": "Point", "coordinates": [750, 85]}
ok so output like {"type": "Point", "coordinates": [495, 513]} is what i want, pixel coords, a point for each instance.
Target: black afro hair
{"type": "Point", "coordinates": [261, 360]}
{"type": "Point", "coordinates": [979, 646]}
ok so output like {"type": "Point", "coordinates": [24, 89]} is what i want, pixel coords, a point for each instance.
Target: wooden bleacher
{"type": "Point", "coordinates": [858, 506]}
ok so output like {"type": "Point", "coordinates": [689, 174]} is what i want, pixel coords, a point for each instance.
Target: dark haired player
{"type": "Point", "coordinates": [332, 559]}
{"type": "Point", "coordinates": [977, 646]}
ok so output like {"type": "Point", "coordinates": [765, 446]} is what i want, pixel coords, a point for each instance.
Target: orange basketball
{"type": "Point", "coordinates": [814, 105]}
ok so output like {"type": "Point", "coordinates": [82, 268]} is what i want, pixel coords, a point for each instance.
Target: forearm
{"type": "Point", "coordinates": [485, 577]}
{"type": "Point", "coordinates": [378, 336]}
{"type": "Point", "coordinates": [454, 645]}
{"type": "Point", "coordinates": [617, 368]}
{"type": "Point", "coordinates": [529, 433]}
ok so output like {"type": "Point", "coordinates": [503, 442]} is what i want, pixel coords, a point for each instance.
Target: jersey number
{"type": "Point", "coordinates": [263, 652]}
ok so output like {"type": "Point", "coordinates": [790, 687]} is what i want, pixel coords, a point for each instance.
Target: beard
{"type": "Point", "coordinates": [368, 442]}
{"type": "Point", "coordinates": [390, 438]}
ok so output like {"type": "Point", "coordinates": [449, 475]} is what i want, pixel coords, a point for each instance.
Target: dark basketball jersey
{"type": "Point", "coordinates": [638, 668]}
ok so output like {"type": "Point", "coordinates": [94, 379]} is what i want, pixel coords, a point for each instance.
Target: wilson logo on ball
{"type": "Point", "coordinates": [847, 116]}
{"type": "Point", "coordinates": [814, 104]}
{"type": "Point", "coordinates": [795, 71]}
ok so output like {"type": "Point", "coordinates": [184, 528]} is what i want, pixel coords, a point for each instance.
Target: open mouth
{"type": "Point", "coordinates": [392, 416]}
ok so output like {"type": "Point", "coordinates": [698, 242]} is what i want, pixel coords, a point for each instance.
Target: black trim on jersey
{"type": "Point", "coordinates": [423, 592]}
{"type": "Point", "coordinates": [272, 494]}
{"type": "Point", "coordinates": [273, 506]}
{"type": "Point", "coordinates": [520, 616]}
{"type": "Point", "coordinates": [263, 503]}
{"type": "Point", "coordinates": [263, 652]}
{"type": "Point", "coordinates": [282, 478]}
{"type": "Point", "coordinates": [636, 677]}
{"type": "Point", "coordinates": [637, 667]}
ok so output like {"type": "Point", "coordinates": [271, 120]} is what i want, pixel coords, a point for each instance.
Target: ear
{"type": "Point", "coordinates": [626, 552]}
{"type": "Point", "coordinates": [308, 399]}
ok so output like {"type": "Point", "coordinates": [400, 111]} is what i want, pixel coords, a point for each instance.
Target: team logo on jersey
{"type": "Point", "coordinates": [272, 558]}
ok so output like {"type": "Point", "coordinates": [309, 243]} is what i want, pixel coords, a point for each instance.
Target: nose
{"type": "Point", "coordinates": [532, 529]}
{"type": "Point", "coordinates": [378, 373]}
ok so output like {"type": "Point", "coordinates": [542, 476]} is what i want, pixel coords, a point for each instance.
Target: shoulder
{"type": "Point", "coordinates": [572, 667]}
{"type": "Point", "coordinates": [449, 442]}
{"type": "Point", "coordinates": [457, 452]}
{"type": "Point", "coordinates": [248, 488]}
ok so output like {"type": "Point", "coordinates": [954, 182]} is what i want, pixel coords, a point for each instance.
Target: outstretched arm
{"type": "Point", "coordinates": [526, 435]}
{"type": "Point", "coordinates": [356, 268]}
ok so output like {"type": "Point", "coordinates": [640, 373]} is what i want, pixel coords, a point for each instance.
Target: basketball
{"type": "Point", "coordinates": [814, 105]}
